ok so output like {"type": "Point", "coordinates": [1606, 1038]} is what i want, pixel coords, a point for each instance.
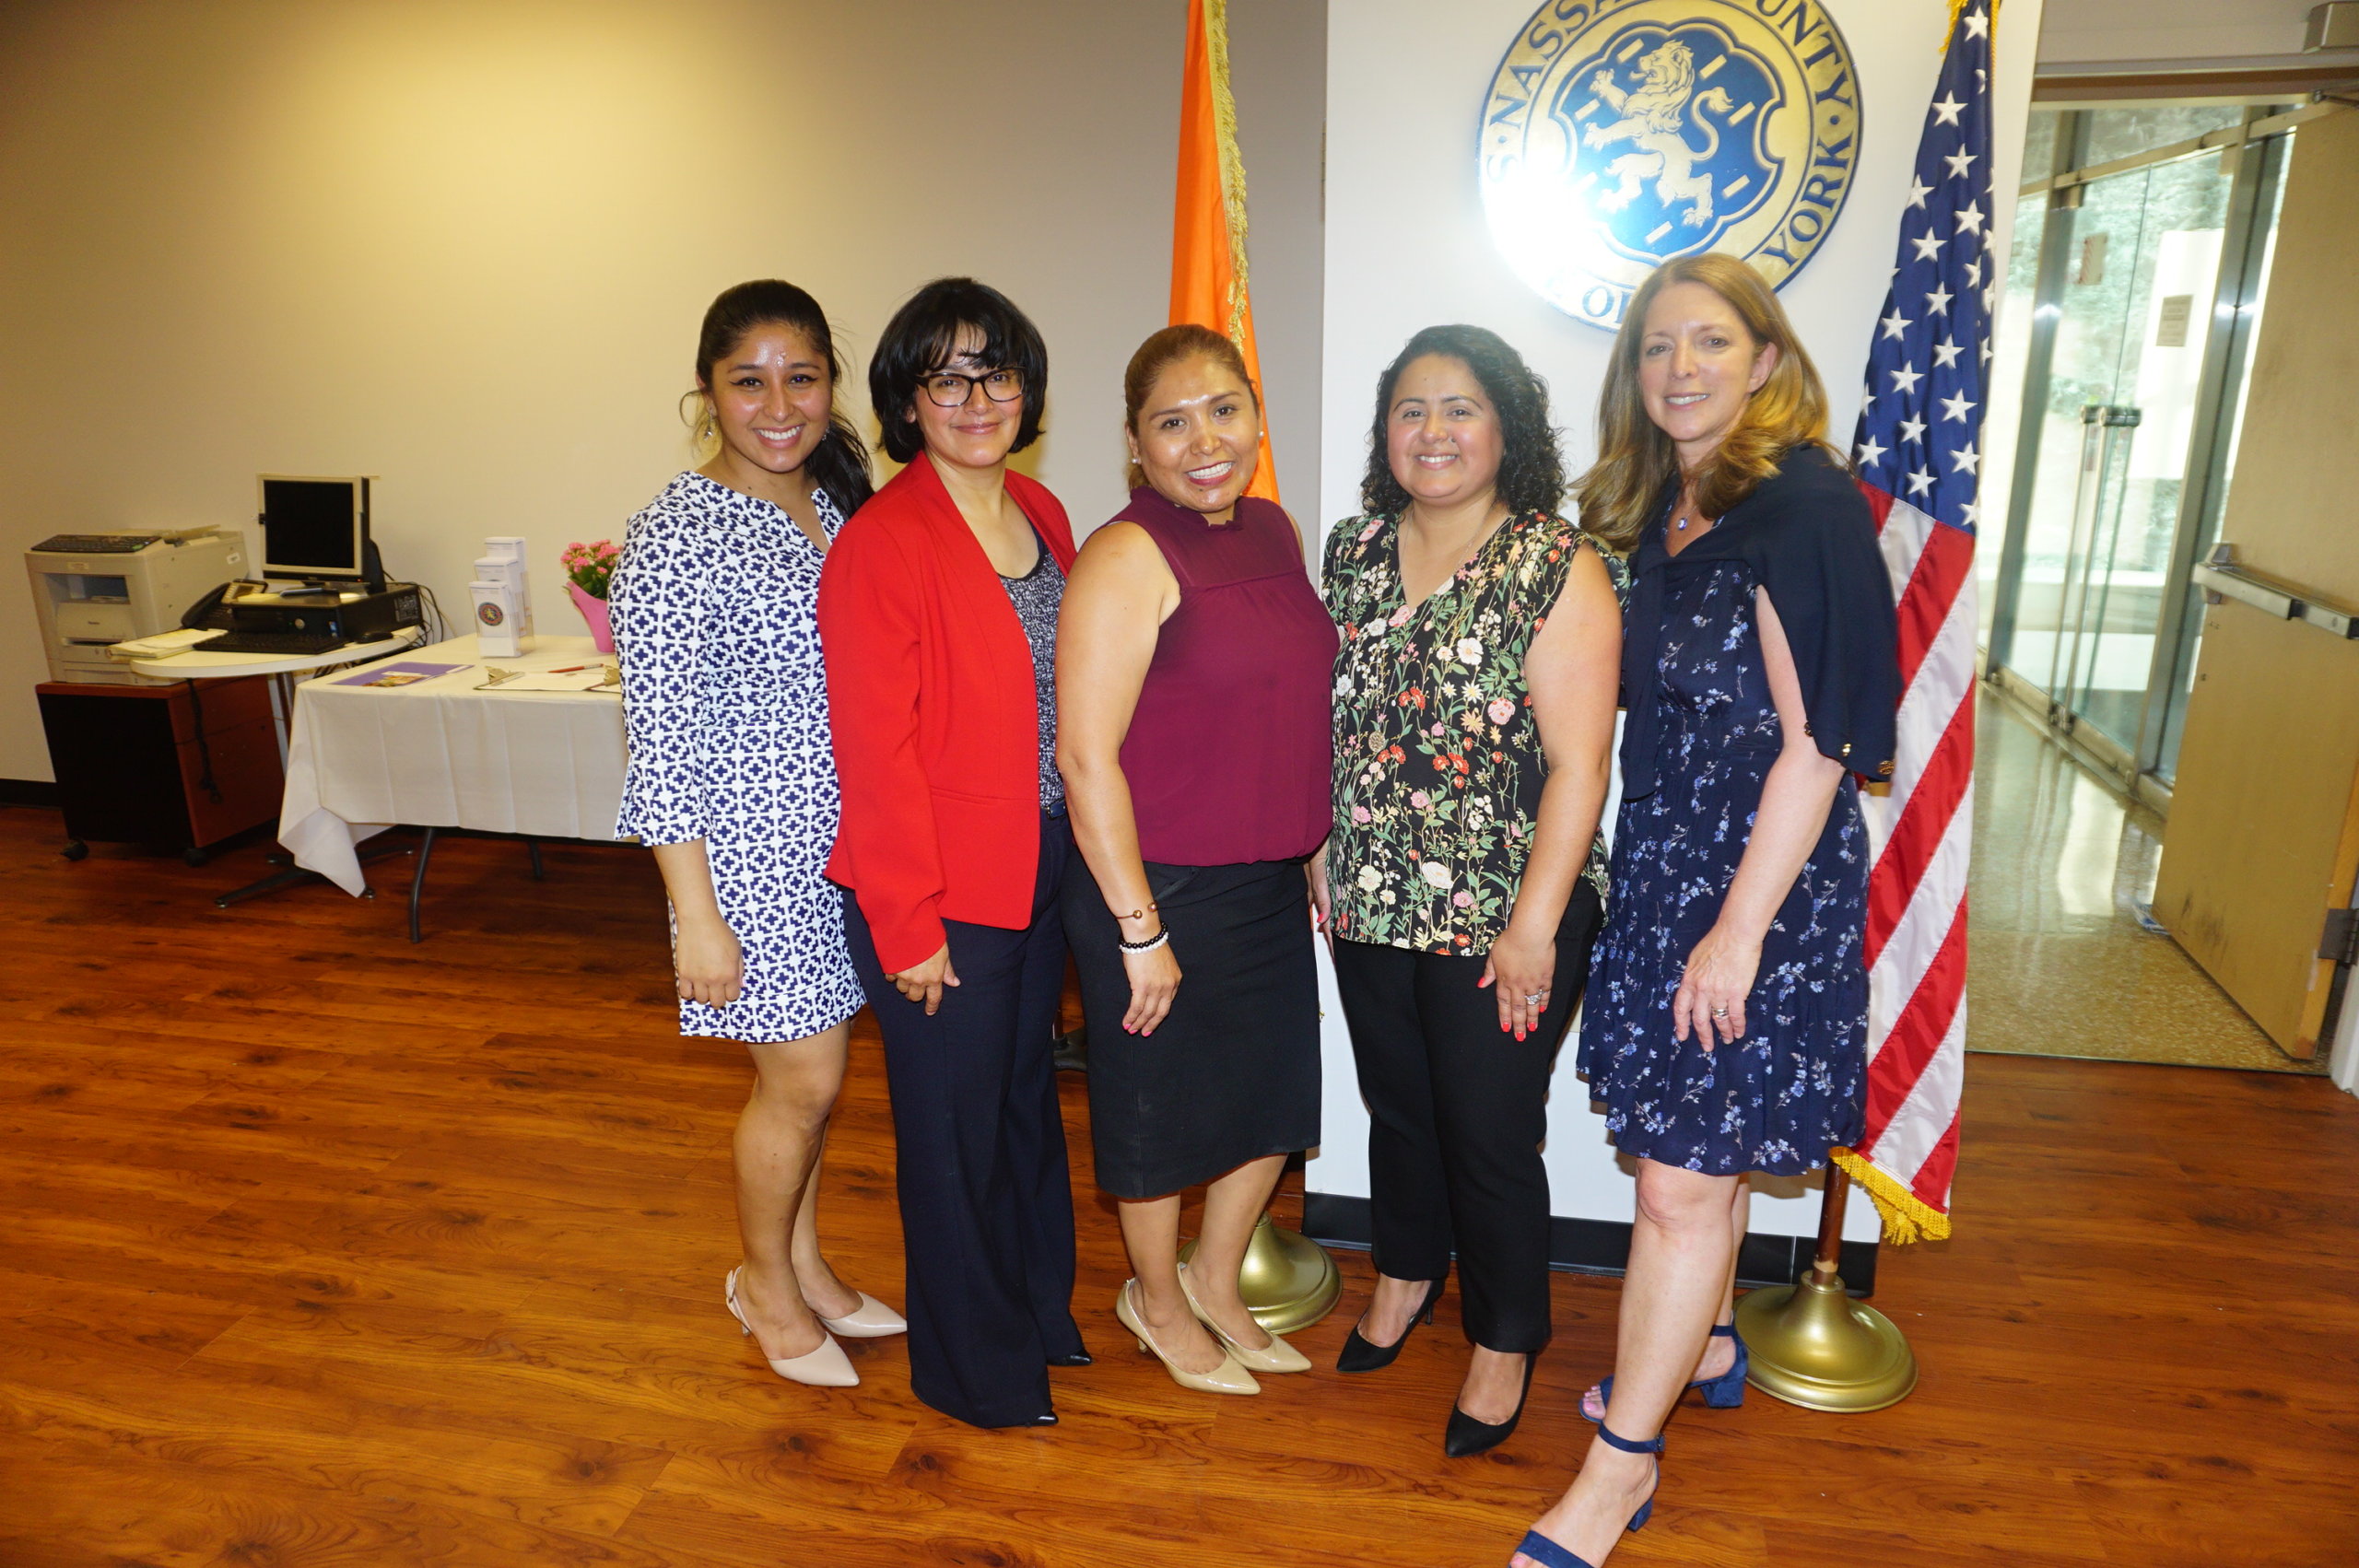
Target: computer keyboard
{"type": "Point", "coordinates": [94, 543]}
{"type": "Point", "coordinates": [284, 644]}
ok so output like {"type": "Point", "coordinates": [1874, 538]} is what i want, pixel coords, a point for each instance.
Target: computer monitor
{"type": "Point", "coordinates": [315, 529]}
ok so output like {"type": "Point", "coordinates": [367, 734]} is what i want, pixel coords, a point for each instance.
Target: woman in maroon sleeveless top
{"type": "Point", "coordinates": [1193, 661]}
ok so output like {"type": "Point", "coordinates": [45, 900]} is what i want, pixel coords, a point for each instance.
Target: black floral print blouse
{"type": "Point", "coordinates": [1439, 767]}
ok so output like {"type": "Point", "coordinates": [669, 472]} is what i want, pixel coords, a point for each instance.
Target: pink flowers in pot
{"type": "Point", "coordinates": [591, 568]}
{"type": "Point", "coordinates": [589, 575]}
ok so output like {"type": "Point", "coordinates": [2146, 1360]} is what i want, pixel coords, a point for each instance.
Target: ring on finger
{"type": "Point", "coordinates": [1719, 1013]}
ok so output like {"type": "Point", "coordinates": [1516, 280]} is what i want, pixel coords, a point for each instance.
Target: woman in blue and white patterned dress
{"type": "Point", "coordinates": [733, 783]}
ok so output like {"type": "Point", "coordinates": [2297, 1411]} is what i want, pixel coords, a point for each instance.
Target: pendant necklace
{"type": "Point", "coordinates": [1680, 522]}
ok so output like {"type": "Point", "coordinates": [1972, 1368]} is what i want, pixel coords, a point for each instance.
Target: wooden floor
{"type": "Point", "coordinates": [324, 1249]}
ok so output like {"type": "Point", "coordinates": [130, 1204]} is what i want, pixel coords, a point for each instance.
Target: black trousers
{"type": "Point", "coordinates": [986, 1203]}
{"type": "Point", "coordinates": [1457, 1112]}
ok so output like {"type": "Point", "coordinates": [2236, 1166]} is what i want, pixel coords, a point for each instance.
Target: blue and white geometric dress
{"type": "Point", "coordinates": [714, 610]}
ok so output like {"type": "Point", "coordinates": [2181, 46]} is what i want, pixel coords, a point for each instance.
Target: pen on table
{"type": "Point", "coordinates": [572, 669]}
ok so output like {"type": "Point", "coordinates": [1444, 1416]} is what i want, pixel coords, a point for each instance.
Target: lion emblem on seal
{"type": "Point", "coordinates": [1619, 134]}
{"type": "Point", "coordinates": [1655, 115]}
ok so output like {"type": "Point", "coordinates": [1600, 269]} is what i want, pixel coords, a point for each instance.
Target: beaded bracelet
{"type": "Point", "coordinates": [1157, 940]}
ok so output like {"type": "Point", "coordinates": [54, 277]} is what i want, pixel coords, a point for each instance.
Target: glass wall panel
{"type": "Point", "coordinates": [2120, 133]}
{"type": "Point", "coordinates": [2011, 357]}
{"type": "Point", "coordinates": [2039, 144]}
{"type": "Point", "coordinates": [2162, 298]}
{"type": "Point", "coordinates": [2086, 360]}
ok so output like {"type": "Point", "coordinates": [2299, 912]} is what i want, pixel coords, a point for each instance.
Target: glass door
{"type": "Point", "coordinates": [2174, 216]}
{"type": "Point", "coordinates": [2109, 473]}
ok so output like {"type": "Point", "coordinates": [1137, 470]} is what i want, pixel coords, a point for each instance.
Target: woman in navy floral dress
{"type": "Point", "coordinates": [732, 784]}
{"type": "Point", "coordinates": [1726, 1030]}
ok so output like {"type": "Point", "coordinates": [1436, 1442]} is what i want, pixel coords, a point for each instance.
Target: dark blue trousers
{"type": "Point", "coordinates": [986, 1203]}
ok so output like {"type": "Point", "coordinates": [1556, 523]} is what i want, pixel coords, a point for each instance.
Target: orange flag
{"type": "Point", "coordinates": [1208, 217]}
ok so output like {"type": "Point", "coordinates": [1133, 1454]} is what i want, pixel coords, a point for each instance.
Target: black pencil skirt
{"type": "Point", "coordinates": [1231, 1074]}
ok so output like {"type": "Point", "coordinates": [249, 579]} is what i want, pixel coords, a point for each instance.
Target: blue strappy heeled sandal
{"type": "Point", "coordinates": [1725, 1392]}
{"type": "Point", "coordinates": [1548, 1554]}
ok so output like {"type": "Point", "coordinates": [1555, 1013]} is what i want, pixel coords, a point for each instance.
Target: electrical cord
{"type": "Point", "coordinates": [438, 626]}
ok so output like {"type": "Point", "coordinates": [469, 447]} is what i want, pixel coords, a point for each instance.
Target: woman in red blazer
{"type": "Point", "coordinates": [937, 617]}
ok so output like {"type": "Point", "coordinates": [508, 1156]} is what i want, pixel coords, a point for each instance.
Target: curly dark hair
{"type": "Point", "coordinates": [1531, 465]}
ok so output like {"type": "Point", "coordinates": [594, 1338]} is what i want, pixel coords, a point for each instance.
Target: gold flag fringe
{"type": "Point", "coordinates": [1906, 1216]}
{"type": "Point", "coordinates": [1232, 162]}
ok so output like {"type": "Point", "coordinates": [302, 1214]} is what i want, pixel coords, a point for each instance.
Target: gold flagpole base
{"type": "Point", "coordinates": [1288, 1281]}
{"type": "Point", "coordinates": [1814, 1346]}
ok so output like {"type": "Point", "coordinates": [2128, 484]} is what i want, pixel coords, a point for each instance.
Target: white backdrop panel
{"type": "Point", "coordinates": [1407, 247]}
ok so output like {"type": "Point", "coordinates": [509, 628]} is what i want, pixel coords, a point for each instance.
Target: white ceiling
{"type": "Point", "coordinates": [2114, 34]}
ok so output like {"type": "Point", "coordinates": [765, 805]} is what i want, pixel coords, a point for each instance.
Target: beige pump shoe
{"type": "Point", "coordinates": [1229, 1377]}
{"type": "Point", "coordinates": [1277, 1356]}
{"type": "Point", "coordinates": [826, 1367]}
{"type": "Point", "coordinates": [872, 1319]}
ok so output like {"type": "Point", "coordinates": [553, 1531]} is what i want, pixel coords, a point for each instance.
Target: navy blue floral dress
{"type": "Point", "coordinates": [1774, 1100]}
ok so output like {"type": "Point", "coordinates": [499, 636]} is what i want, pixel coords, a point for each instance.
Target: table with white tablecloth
{"type": "Point", "coordinates": [445, 753]}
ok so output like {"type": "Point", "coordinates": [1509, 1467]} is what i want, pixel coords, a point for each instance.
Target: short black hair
{"type": "Point", "coordinates": [921, 337]}
{"type": "Point", "coordinates": [1532, 464]}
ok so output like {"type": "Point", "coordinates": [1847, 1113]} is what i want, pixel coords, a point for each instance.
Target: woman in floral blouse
{"type": "Point", "coordinates": [1475, 700]}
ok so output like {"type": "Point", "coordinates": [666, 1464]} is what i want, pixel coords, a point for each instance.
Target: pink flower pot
{"type": "Point", "coordinates": [594, 611]}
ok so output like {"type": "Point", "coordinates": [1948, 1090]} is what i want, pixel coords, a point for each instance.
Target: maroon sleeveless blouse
{"type": "Point", "coordinates": [1229, 752]}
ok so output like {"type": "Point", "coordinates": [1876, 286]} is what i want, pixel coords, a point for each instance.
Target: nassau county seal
{"type": "Point", "coordinates": [1619, 134]}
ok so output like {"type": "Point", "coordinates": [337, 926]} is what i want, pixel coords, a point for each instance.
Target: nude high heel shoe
{"type": "Point", "coordinates": [1277, 1356]}
{"type": "Point", "coordinates": [1229, 1377]}
{"type": "Point", "coordinates": [872, 1319]}
{"type": "Point", "coordinates": [826, 1367]}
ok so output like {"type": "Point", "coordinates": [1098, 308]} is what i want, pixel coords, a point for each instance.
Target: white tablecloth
{"type": "Point", "coordinates": [441, 754]}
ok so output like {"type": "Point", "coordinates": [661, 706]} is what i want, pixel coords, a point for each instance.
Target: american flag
{"type": "Point", "coordinates": [1918, 451]}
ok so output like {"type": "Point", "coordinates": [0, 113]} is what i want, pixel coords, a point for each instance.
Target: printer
{"type": "Point", "coordinates": [91, 590]}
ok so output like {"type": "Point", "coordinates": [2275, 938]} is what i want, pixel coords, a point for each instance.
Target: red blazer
{"type": "Point", "coordinates": [935, 718]}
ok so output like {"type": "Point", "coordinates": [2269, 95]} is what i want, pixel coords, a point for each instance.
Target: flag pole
{"type": "Point", "coordinates": [1811, 1344]}
{"type": "Point", "coordinates": [1917, 454]}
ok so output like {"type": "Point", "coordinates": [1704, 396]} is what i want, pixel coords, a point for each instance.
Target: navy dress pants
{"type": "Point", "coordinates": [986, 1203]}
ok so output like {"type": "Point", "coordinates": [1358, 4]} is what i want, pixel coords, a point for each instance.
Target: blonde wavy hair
{"type": "Point", "coordinates": [1636, 461]}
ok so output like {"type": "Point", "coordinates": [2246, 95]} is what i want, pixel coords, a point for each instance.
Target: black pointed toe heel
{"type": "Point", "coordinates": [1358, 1355]}
{"type": "Point", "coordinates": [1465, 1437]}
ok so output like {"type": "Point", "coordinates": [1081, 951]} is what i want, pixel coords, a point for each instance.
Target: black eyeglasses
{"type": "Point", "coordinates": [949, 389]}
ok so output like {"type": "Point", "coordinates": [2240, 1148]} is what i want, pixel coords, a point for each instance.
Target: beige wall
{"type": "Point", "coordinates": [464, 246]}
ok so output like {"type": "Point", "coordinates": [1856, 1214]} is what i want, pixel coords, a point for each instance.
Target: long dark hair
{"type": "Point", "coordinates": [839, 463]}
{"type": "Point", "coordinates": [922, 335]}
{"type": "Point", "coordinates": [1531, 466]}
